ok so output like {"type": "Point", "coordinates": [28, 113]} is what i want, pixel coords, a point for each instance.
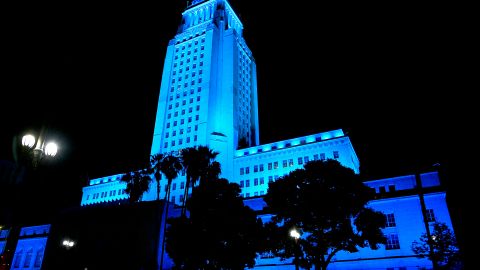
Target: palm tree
{"type": "Point", "coordinates": [156, 166]}
{"type": "Point", "coordinates": [196, 162]}
{"type": "Point", "coordinates": [170, 166]}
{"type": "Point", "coordinates": [138, 183]}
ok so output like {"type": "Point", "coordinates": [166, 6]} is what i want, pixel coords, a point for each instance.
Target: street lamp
{"type": "Point", "coordinates": [39, 147]}
{"type": "Point", "coordinates": [68, 243]}
{"type": "Point", "coordinates": [295, 235]}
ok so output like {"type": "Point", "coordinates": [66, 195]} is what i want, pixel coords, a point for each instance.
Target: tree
{"type": "Point", "coordinates": [197, 163]}
{"type": "Point", "coordinates": [445, 249]}
{"type": "Point", "coordinates": [156, 167]}
{"type": "Point", "coordinates": [220, 232]}
{"type": "Point", "coordinates": [138, 183]}
{"type": "Point", "coordinates": [326, 202]}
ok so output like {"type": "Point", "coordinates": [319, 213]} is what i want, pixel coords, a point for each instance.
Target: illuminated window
{"type": "Point", "coordinates": [392, 242]}
{"type": "Point", "coordinates": [38, 258]}
{"type": "Point", "coordinates": [28, 258]}
{"type": "Point", "coordinates": [18, 258]}
{"type": "Point", "coordinates": [390, 220]}
{"type": "Point", "coordinates": [430, 215]}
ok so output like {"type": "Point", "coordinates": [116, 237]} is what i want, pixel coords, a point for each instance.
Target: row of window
{"type": "Point", "coordinates": [195, 42]}
{"type": "Point", "coordinates": [390, 218]}
{"type": "Point", "coordinates": [182, 121]}
{"type": "Point", "coordinates": [256, 193]}
{"type": "Point", "coordinates": [190, 110]}
{"type": "Point", "coordinates": [106, 194]}
{"type": "Point", "coordinates": [27, 259]}
{"type": "Point", "coordinates": [180, 141]}
{"type": "Point", "coordinates": [285, 163]}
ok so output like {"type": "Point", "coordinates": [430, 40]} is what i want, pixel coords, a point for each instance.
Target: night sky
{"type": "Point", "coordinates": [390, 75]}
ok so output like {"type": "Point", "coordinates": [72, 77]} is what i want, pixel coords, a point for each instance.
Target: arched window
{"type": "Point", "coordinates": [28, 258]}
{"type": "Point", "coordinates": [38, 258]}
{"type": "Point", "coordinates": [18, 258]}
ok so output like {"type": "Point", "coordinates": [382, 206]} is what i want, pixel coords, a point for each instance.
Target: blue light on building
{"type": "Point", "coordinates": [208, 96]}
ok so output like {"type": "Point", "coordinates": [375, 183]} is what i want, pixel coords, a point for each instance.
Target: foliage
{"type": "Point", "coordinates": [138, 183]}
{"type": "Point", "coordinates": [326, 202]}
{"type": "Point", "coordinates": [445, 250]}
{"type": "Point", "coordinates": [199, 165]}
{"type": "Point", "coordinates": [220, 233]}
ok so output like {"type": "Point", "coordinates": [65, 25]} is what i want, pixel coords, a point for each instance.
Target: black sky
{"type": "Point", "coordinates": [391, 75]}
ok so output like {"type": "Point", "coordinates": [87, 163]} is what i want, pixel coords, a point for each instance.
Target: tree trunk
{"type": "Point", "coordinates": [158, 190]}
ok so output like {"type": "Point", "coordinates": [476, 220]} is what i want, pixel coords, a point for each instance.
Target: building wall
{"type": "Point", "coordinates": [30, 248]}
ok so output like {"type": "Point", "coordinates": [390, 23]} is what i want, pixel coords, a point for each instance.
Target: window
{"type": "Point", "coordinates": [262, 181]}
{"type": "Point", "coordinates": [262, 192]}
{"type": "Point", "coordinates": [255, 168]}
{"type": "Point", "coordinates": [28, 258]}
{"type": "Point", "coordinates": [382, 189]}
{"type": "Point", "coordinates": [270, 179]}
{"type": "Point", "coordinates": [390, 220]}
{"type": "Point", "coordinates": [335, 154]}
{"type": "Point", "coordinates": [391, 188]}
{"type": "Point", "coordinates": [275, 165]}
{"type": "Point", "coordinates": [247, 183]}
{"type": "Point", "coordinates": [247, 194]}
{"type": "Point", "coordinates": [38, 258]}
{"type": "Point", "coordinates": [315, 157]}
{"type": "Point", "coordinates": [430, 215]}
{"type": "Point", "coordinates": [173, 199]}
{"type": "Point", "coordinates": [392, 242]}
{"type": "Point", "coordinates": [255, 182]}
{"type": "Point", "coordinates": [322, 156]}
{"type": "Point", "coordinates": [300, 161]}
{"type": "Point", "coordinates": [242, 184]}
{"type": "Point", "coordinates": [165, 145]}
{"type": "Point", "coordinates": [174, 186]}
{"type": "Point", "coordinates": [261, 167]}
{"type": "Point", "coordinates": [255, 193]}
{"type": "Point", "coordinates": [247, 170]}
{"type": "Point", "coordinates": [180, 199]}
{"type": "Point", "coordinates": [182, 185]}
{"type": "Point", "coordinates": [195, 138]}
{"type": "Point", "coordinates": [197, 117]}
{"type": "Point", "coordinates": [269, 166]}
{"type": "Point", "coordinates": [188, 139]}
{"type": "Point", "coordinates": [242, 171]}
{"type": "Point", "coordinates": [305, 159]}
{"type": "Point", "coordinates": [284, 163]}
{"type": "Point", "coordinates": [168, 125]}
{"type": "Point", "coordinates": [18, 258]}
{"type": "Point", "coordinates": [290, 162]}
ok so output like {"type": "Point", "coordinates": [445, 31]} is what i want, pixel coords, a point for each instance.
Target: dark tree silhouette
{"type": "Point", "coordinates": [326, 202]}
{"type": "Point", "coordinates": [138, 182]}
{"type": "Point", "coordinates": [197, 162]}
{"type": "Point", "coordinates": [445, 253]}
{"type": "Point", "coordinates": [220, 232]}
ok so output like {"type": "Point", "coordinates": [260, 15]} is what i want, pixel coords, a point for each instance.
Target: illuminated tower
{"type": "Point", "coordinates": [208, 93]}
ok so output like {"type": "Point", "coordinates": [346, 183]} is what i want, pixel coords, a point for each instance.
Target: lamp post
{"type": "Point", "coordinates": [39, 147]}
{"type": "Point", "coordinates": [295, 235]}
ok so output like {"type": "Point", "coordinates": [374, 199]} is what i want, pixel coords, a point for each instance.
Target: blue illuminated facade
{"type": "Point", "coordinates": [208, 96]}
{"type": "Point", "coordinates": [30, 248]}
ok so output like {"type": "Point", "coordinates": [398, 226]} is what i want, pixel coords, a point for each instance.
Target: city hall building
{"type": "Point", "coordinates": [208, 96]}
